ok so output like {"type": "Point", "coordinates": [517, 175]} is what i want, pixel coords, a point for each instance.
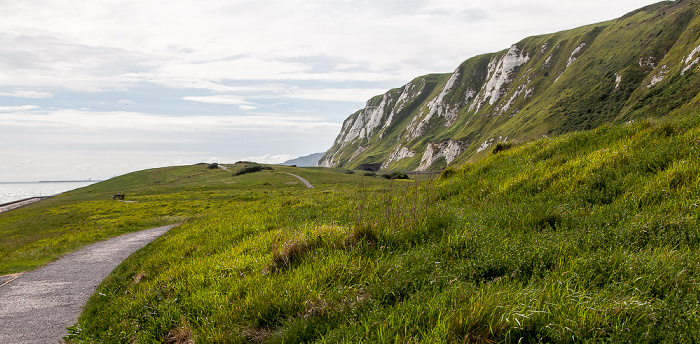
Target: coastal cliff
{"type": "Point", "coordinates": [643, 64]}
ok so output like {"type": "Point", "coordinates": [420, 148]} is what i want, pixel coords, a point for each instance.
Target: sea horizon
{"type": "Point", "coordinates": [15, 191]}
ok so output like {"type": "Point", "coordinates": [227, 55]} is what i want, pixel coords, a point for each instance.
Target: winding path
{"type": "Point", "coordinates": [308, 185]}
{"type": "Point", "coordinates": [37, 306]}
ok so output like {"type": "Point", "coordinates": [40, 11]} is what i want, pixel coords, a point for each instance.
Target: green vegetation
{"type": "Point", "coordinates": [587, 237]}
{"type": "Point", "coordinates": [630, 68]}
{"type": "Point", "coordinates": [41, 232]}
{"type": "Point", "coordinates": [252, 168]}
{"type": "Point", "coordinates": [395, 175]}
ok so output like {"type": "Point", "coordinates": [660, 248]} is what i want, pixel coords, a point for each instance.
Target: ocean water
{"type": "Point", "coordinates": [15, 191]}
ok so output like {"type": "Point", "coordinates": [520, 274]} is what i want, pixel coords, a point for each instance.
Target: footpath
{"type": "Point", "coordinates": [306, 182]}
{"type": "Point", "coordinates": [17, 204]}
{"type": "Point", "coordinates": [37, 306]}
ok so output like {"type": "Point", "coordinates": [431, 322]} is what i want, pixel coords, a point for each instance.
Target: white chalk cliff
{"type": "Point", "coordinates": [541, 86]}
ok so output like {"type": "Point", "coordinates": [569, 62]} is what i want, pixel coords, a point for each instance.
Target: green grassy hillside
{"type": "Point", "coordinates": [586, 237]}
{"type": "Point", "coordinates": [642, 64]}
{"type": "Point", "coordinates": [39, 233]}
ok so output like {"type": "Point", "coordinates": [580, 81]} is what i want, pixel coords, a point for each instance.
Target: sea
{"type": "Point", "coordinates": [10, 192]}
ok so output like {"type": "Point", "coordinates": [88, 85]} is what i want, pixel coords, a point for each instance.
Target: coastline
{"type": "Point", "coordinates": [5, 207]}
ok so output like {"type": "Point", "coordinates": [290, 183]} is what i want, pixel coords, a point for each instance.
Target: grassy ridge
{"type": "Point", "coordinates": [587, 237]}
{"type": "Point", "coordinates": [41, 232]}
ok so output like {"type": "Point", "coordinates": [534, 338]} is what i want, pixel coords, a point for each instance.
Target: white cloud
{"type": "Point", "coordinates": [218, 99]}
{"type": "Point", "coordinates": [116, 125]}
{"type": "Point", "coordinates": [336, 94]}
{"type": "Point", "coordinates": [26, 94]}
{"type": "Point", "coordinates": [18, 108]}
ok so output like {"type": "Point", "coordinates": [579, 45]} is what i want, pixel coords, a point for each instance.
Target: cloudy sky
{"type": "Point", "coordinates": [93, 89]}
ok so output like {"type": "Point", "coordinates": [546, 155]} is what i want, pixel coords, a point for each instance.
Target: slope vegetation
{"type": "Point", "coordinates": [643, 64]}
{"type": "Point", "coordinates": [41, 232]}
{"type": "Point", "coordinates": [586, 237]}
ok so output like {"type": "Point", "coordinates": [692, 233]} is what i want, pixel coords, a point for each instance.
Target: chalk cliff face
{"type": "Point", "coordinates": [646, 63]}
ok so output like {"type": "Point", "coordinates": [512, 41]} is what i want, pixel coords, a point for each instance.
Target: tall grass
{"type": "Point", "coordinates": [588, 237]}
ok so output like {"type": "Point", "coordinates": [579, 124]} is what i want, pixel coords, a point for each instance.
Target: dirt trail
{"type": "Point", "coordinates": [308, 185]}
{"type": "Point", "coordinates": [37, 306]}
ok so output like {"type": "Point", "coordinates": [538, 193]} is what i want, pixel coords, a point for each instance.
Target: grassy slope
{"type": "Point", "coordinates": [587, 237]}
{"type": "Point", "coordinates": [36, 234]}
{"type": "Point", "coordinates": [550, 94]}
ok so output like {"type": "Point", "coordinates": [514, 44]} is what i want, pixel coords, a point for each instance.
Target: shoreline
{"type": "Point", "coordinates": [5, 207]}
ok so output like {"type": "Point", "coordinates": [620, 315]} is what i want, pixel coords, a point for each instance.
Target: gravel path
{"type": "Point", "coordinates": [18, 204]}
{"type": "Point", "coordinates": [37, 306]}
{"type": "Point", "coordinates": [308, 185]}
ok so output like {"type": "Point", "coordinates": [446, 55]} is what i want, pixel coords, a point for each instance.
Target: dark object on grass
{"type": "Point", "coordinates": [213, 166]}
{"type": "Point", "coordinates": [118, 196]}
{"type": "Point", "coordinates": [395, 175]}
{"type": "Point", "coordinates": [251, 168]}
{"type": "Point", "coordinates": [501, 146]}
{"type": "Point", "coordinates": [369, 174]}
{"type": "Point", "coordinates": [371, 167]}
{"type": "Point", "coordinates": [349, 172]}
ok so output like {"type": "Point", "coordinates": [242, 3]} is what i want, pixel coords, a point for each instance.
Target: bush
{"type": "Point", "coordinates": [448, 172]}
{"type": "Point", "coordinates": [349, 172]}
{"type": "Point", "coordinates": [251, 168]}
{"type": "Point", "coordinates": [369, 174]}
{"type": "Point", "coordinates": [395, 175]}
{"type": "Point", "coordinates": [501, 146]}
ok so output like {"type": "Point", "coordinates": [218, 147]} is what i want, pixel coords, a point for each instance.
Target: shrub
{"type": "Point", "coordinates": [501, 146]}
{"type": "Point", "coordinates": [251, 168]}
{"type": "Point", "coordinates": [349, 172]}
{"type": "Point", "coordinates": [369, 174]}
{"type": "Point", "coordinates": [363, 233]}
{"type": "Point", "coordinates": [290, 254]}
{"type": "Point", "coordinates": [448, 172]}
{"type": "Point", "coordinates": [395, 175]}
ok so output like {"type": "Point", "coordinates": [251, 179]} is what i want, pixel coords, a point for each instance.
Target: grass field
{"type": "Point", "coordinates": [588, 237]}
{"type": "Point", "coordinates": [41, 232]}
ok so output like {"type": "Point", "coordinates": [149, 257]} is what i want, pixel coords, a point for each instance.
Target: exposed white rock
{"type": "Point", "coordinates": [515, 96]}
{"type": "Point", "coordinates": [558, 76]}
{"type": "Point", "coordinates": [547, 60]}
{"type": "Point", "coordinates": [368, 120]}
{"type": "Point", "coordinates": [500, 73]}
{"type": "Point", "coordinates": [398, 154]}
{"type": "Point", "coordinates": [408, 93]}
{"type": "Point", "coordinates": [658, 77]}
{"type": "Point", "coordinates": [529, 92]}
{"type": "Point", "coordinates": [329, 161]}
{"type": "Point", "coordinates": [618, 80]}
{"type": "Point", "coordinates": [647, 62]}
{"type": "Point", "coordinates": [449, 149]}
{"type": "Point", "coordinates": [485, 145]}
{"type": "Point", "coordinates": [573, 56]}
{"type": "Point", "coordinates": [358, 152]}
{"type": "Point", "coordinates": [691, 60]}
{"type": "Point", "coordinates": [437, 107]}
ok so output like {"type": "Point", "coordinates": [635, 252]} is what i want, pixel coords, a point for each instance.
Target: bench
{"type": "Point", "coordinates": [118, 196]}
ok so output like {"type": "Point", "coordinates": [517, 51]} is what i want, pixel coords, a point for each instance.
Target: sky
{"type": "Point", "coordinates": [95, 89]}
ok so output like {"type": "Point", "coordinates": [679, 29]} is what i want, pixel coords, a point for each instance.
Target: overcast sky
{"type": "Point", "coordinates": [94, 89]}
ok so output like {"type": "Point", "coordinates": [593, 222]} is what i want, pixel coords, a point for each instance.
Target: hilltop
{"type": "Point", "coordinates": [645, 63]}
